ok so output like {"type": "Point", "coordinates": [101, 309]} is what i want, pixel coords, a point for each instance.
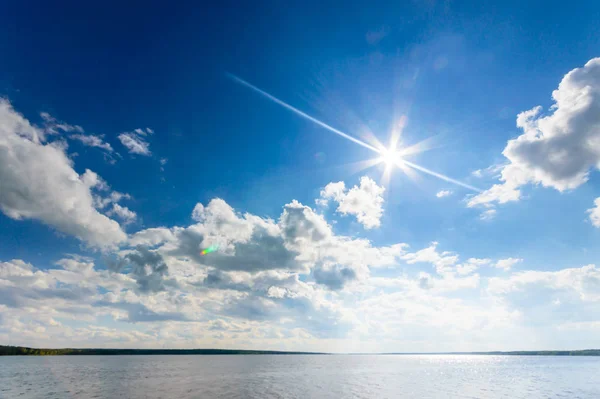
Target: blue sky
{"type": "Point", "coordinates": [127, 146]}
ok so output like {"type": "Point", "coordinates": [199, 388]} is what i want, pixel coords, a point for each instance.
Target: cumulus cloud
{"type": "Point", "coordinates": [364, 201]}
{"type": "Point", "coordinates": [556, 150]}
{"type": "Point", "coordinates": [289, 281]}
{"type": "Point", "coordinates": [113, 197]}
{"type": "Point", "coordinates": [152, 237]}
{"type": "Point", "coordinates": [146, 266]}
{"type": "Point", "coordinates": [443, 193]}
{"type": "Point", "coordinates": [246, 242]}
{"type": "Point", "coordinates": [334, 276]}
{"type": "Point", "coordinates": [595, 213]}
{"type": "Point", "coordinates": [177, 302]}
{"type": "Point", "coordinates": [299, 241]}
{"type": "Point", "coordinates": [301, 225]}
{"type": "Point", "coordinates": [135, 141]}
{"type": "Point", "coordinates": [37, 181]}
{"type": "Point", "coordinates": [126, 214]}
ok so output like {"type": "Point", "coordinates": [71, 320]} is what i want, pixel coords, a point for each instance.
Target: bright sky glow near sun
{"type": "Point", "coordinates": [417, 177]}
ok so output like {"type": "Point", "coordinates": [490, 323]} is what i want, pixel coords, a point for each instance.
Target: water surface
{"type": "Point", "coordinates": [300, 376]}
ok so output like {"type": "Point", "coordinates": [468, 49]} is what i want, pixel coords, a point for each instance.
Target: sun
{"type": "Point", "coordinates": [389, 157]}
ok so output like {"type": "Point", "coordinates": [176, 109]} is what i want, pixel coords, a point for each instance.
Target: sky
{"type": "Point", "coordinates": [409, 177]}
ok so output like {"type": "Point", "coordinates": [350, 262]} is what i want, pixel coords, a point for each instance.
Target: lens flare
{"type": "Point", "coordinates": [390, 156]}
{"type": "Point", "coordinates": [210, 249]}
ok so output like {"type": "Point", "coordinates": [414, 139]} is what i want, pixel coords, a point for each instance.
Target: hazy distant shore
{"type": "Point", "coordinates": [26, 351]}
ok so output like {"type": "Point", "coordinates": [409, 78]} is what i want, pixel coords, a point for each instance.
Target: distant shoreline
{"type": "Point", "coordinates": [26, 351]}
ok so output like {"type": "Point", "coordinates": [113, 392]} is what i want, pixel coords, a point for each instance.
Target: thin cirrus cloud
{"type": "Point", "coordinates": [507, 264]}
{"type": "Point", "coordinates": [443, 193]}
{"type": "Point", "coordinates": [136, 142]}
{"type": "Point", "coordinates": [91, 140]}
{"type": "Point", "coordinates": [54, 126]}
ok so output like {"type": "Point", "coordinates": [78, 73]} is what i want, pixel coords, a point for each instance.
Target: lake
{"type": "Point", "coordinates": [300, 376]}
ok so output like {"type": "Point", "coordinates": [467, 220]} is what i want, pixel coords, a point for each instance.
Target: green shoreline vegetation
{"type": "Point", "coordinates": [25, 351]}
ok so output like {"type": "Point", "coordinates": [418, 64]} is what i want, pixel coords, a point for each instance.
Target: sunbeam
{"type": "Point", "coordinates": [302, 114]}
{"type": "Point", "coordinates": [440, 176]}
{"type": "Point", "coordinates": [390, 156]}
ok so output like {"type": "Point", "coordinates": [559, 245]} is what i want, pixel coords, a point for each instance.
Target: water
{"type": "Point", "coordinates": [291, 376]}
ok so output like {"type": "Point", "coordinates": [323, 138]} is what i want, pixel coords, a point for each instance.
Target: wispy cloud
{"type": "Point", "coordinates": [52, 125]}
{"type": "Point", "coordinates": [375, 36]}
{"type": "Point", "coordinates": [507, 264]}
{"type": "Point", "coordinates": [135, 142]}
{"type": "Point", "coordinates": [488, 214]}
{"type": "Point", "coordinates": [92, 141]}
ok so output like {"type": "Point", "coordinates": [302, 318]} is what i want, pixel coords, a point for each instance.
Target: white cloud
{"type": "Point", "coordinates": [443, 193]}
{"type": "Point", "coordinates": [143, 132]}
{"type": "Point", "coordinates": [135, 142]}
{"type": "Point", "coordinates": [477, 173]}
{"type": "Point", "coordinates": [364, 201]}
{"type": "Point", "coordinates": [581, 283]}
{"type": "Point", "coordinates": [92, 141]}
{"type": "Point", "coordinates": [152, 237]}
{"type": "Point", "coordinates": [127, 215]}
{"type": "Point", "coordinates": [490, 171]}
{"type": "Point", "coordinates": [595, 213]}
{"type": "Point", "coordinates": [299, 241]}
{"type": "Point", "coordinates": [444, 262]}
{"type": "Point", "coordinates": [557, 150]}
{"type": "Point", "coordinates": [53, 126]}
{"type": "Point", "coordinates": [101, 202]}
{"type": "Point", "coordinates": [290, 283]}
{"type": "Point", "coordinates": [488, 214]}
{"type": "Point", "coordinates": [37, 181]}
{"type": "Point", "coordinates": [507, 264]}
{"type": "Point", "coordinates": [471, 265]}
{"type": "Point", "coordinates": [198, 212]}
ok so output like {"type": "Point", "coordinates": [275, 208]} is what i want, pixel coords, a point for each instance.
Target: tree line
{"type": "Point", "coordinates": [25, 351]}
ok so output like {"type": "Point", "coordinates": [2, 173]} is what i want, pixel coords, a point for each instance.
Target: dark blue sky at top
{"type": "Point", "coordinates": [460, 70]}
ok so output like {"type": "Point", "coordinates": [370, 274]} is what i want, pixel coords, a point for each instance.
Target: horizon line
{"type": "Point", "coordinates": [547, 352]}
